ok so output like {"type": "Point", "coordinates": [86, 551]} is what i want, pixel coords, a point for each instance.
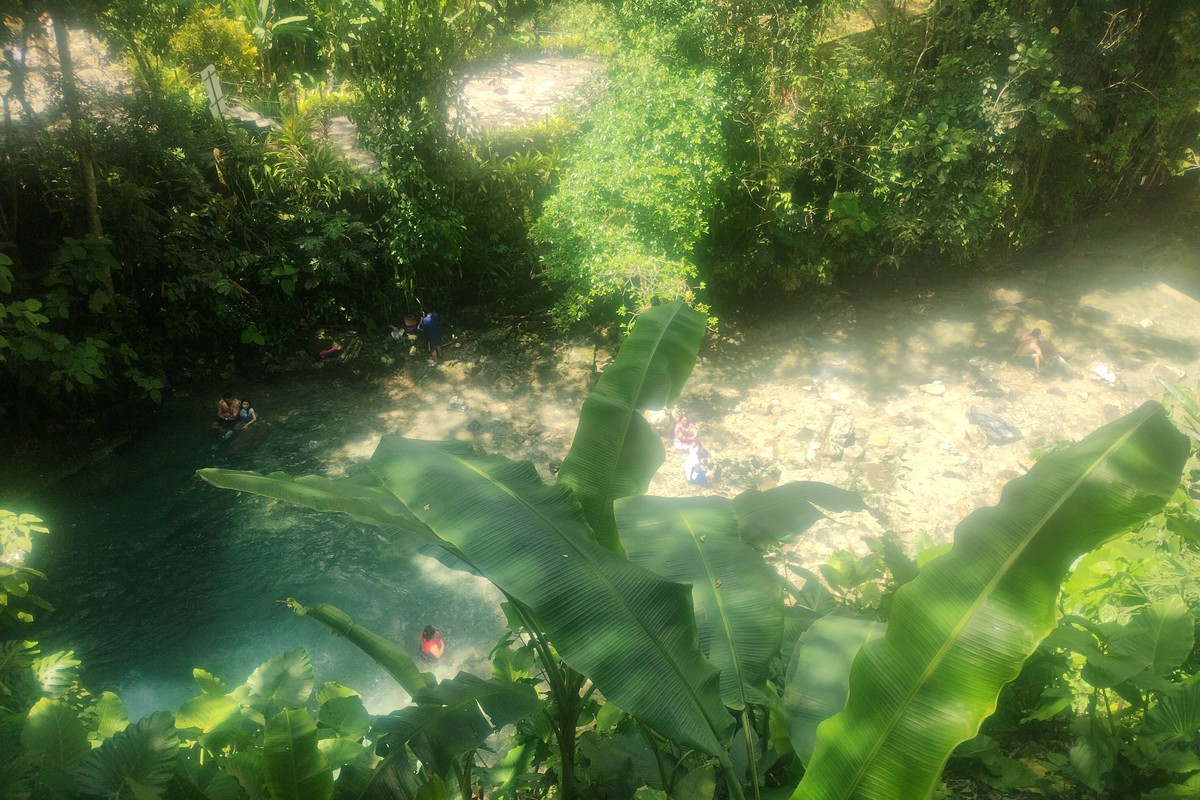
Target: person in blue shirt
{"type": "Point", "coordinates": [246, 415]}
{"type": "Point", "coordinates": [431, 326]}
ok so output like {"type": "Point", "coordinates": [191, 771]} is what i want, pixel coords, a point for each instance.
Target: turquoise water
{"type": "Point", "coordinates": [153, 572]}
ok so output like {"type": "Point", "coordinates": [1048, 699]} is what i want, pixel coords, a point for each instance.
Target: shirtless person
{"type": "Point", "coordinates": [1031, 345]}
{"type": "Point", "coordinates": [227, 412]}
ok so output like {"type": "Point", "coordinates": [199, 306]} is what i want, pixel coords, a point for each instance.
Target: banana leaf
{"type": "Point", "coordinates": [819, 674]}
{"type": "Point", "coordinates": [457, 716]}
{"type": "Point", "coordinates": [628, 630]}
{"type": "Point", "coordinates": [737, 597]}
{"type": "Point", "coordinates": [386, 653]}
{"type": "Point", "coordinates": [963, 628]}
{"type": "Point", "coordinates": [360, 496]}
{"type": "Point", "coordinates": [776, 515]}
{"type": "Point", "coordinates": [616, 452]}
{"type": "Point", "coordinates": [293, 765]}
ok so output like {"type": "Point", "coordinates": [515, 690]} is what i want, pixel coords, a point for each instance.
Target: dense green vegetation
{"type": "Point", "coordinates": [655, 651]}
{"type": "Point", "coordinates": [734, 148]}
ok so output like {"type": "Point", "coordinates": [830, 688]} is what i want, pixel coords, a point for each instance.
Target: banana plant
{"type": "Point", "coordinates": [665, 605]}
{"type": "Point", "coordinates": [591, 611]}
{"type": "Point", "coordinates": [964, 626]}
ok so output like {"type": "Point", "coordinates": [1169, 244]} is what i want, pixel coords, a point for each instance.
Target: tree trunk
{"type": "Point", "coordinates": [86, 163]}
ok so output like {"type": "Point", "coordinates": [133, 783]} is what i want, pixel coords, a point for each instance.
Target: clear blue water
{"type": "Point", "coordinates": [153, 572]}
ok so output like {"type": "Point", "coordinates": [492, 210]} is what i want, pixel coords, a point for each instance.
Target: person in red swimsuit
{"type": "Point", "coordinates": [432, 643]}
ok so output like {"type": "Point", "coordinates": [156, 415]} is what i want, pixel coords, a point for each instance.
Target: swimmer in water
{"type": "Point", "coordinates": [432, 643]}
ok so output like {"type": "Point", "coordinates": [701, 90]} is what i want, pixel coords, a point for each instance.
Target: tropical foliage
{"type": "Point", "coordinates": [653, 648]}
{"type": "Point", "coordinates": [729, 149]}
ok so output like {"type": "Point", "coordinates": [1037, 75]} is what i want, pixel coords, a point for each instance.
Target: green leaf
{"type": "Point", "coordinates": [628, 630]}
{"type": "Point", "coordinates": [1094, 751]}
{"type": "Point", "coordinates": [247, 768]}
{"type": "Point", "coordinates": [138, 761]}
{"type": "Point", "coordinates": [340, 752]}
{"type": "Point", "coordinates": [53, 729]}
{"type": "Point", "coordinates": [699, 784]}
{"type": "Point", "coordinates": [964, 627]}
{"type": "Point", "coordinates": [818, 678]}
{"type": "Point", "coordinates": [362, 497]}
{"type": "Point", "coordinates": [457, 716]}
{"type": "Point", "coordinates": [345, 716]}
{"type": "Point", "coordinates": [1175, 717]}
{"type": "Point", "coordinates": [57, 672]}
{"type": "Point", "coordinates": [1156, 640]}
{"type": "Point", "coordinates": [284, 681]}
{"type": "Point", "coordinates": [616, 452]}
{"type": "Point", "coordinates": [111, 715]}
{"type": "Point", "coordinates": [216, 718]}
{"type": "Point", "coordinates": [209, 683]}
{"type": "Point", "coordinates": [738, 598]}
{"type": "Point", "coordinates": [293, 765]}
{"type": "Point", "coordinates": [386, 653]}
{"type": "Point", "coordinates": [767, 518]}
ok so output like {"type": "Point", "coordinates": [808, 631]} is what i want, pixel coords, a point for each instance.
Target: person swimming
{"type": "Point", "coordinates": [432, 643]}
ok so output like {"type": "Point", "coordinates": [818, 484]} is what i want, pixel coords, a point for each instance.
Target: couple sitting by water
{"type": "Point", "coordinates": [233, 414]}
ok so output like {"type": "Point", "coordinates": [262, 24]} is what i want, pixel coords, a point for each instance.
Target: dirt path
{"type": "Point", "coordinates": [873, 394]}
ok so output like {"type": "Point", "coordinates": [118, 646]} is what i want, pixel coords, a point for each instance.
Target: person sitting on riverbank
{"type": "Point", "coordinates": [432, 643]}
{"type": "Point", "coordinates": [246, 415]}
{"type": "Point", "coordinates": [227, 412]}
{"type": "Point", "coordinates": [685, 433]}
{"type": "Point", "coordinates": [699, 471]}
{"type": "Point", "coordinates": [1031, 345]}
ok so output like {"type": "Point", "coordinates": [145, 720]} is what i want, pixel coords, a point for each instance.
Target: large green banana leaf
{"type": "Point", "coordinates": [293, 765]}
{"type": "Point", "coordinates": [766, 518]}
{"type": "Point", "coordinates": [737, 597]}
{"type": "Point", "coordinates": [386, 653]}
{"type": "Point", "coordinates": [819, 674]}
{"type": "Point", "coordinates": [628, 630]}
{"type": "Point", "coordinates": [457, 716]}
{"type": "Point", "coordinates": [965, 625]}
{"type": "Point", "coordinates": [361, 497]}
{"type": "Point", "coordinates": [616, 452]}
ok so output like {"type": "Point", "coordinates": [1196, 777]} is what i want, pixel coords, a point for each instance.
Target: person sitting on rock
{"type": "Point", "coordinates": [685, 433]}
{"type": "Point", "coordinates": [699, 471]}
{"type": "Point", "coordinates": [1031, 345]}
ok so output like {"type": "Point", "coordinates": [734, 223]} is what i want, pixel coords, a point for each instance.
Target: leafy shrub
{"type": "Point", "coordinates": [208, 37]}
{"type": "Point", "coordinates": [633, 204]}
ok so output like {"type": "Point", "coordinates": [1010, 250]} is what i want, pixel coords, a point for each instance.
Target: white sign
{"type": "Point", "coordinates": [212, 87]}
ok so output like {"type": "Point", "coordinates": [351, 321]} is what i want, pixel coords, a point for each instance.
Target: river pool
{"type": "Point", "coordinates": [153, 572]}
